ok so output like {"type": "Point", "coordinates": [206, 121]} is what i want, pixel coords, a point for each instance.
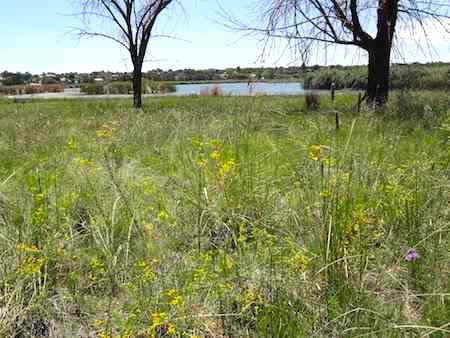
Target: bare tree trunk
{"type": "Point", "coordinates": [378, 74]}
{"type": "Point", "coordinates": [137, 86]}
{"type": "Point", "coordinates": [380, 53]}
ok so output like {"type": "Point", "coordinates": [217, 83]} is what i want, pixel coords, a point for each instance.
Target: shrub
{"type": "Point", "coordinates": [407, 105]}
{"type": "Point", "coordinates": [153, 87]}
{"type": "Point", "coordinates": [92, 89]}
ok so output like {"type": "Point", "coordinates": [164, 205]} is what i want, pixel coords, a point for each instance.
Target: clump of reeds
{"type": "Point", "coordinates": [215, 90]}
{"type": "Point", "coordinates": [312, 101]}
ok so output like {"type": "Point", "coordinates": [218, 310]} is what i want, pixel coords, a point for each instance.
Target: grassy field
{"type": "Point", "coordinates": [225, 217]}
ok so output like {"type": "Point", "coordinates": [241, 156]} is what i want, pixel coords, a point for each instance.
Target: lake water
{"type": "Point", "coordinates": [242, 88]}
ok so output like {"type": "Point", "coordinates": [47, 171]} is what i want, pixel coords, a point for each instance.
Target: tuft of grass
{"type": "Point", "coordinates": [214, 90]}
{"type": "Point", "coordinates": [312, 101]}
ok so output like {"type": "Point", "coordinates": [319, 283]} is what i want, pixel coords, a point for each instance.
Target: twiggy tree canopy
{"type": "Point", "coordinates": [367, 24]}
{"type": "Point", "coordinates": [130, 23]}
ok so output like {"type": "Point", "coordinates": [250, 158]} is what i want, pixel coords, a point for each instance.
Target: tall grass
{"type": "Point", "coordinates": [416, 77]}
{"type": "Point", "coordinates": [223, 217]}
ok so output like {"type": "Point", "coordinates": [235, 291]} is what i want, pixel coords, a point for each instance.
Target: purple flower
{"type": "Point", "coordinates": [411, 255]}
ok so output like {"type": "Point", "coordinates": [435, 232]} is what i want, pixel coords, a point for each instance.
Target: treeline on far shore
{"type": "Point", "coordinates": [32, 89]}
{"type": "Point", "coordinates": [126, 87]}
{"type": "Point", "coordinates": [416, 76]}
{"type": "Point", "coordinates": [403, 76]}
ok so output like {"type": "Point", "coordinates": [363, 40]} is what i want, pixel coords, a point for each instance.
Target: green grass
{"type": "Point", "coordinates": [224, 217]}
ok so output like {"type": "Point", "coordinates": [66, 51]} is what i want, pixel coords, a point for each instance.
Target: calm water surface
{"type": "Point", "coordinates": [242, 88]}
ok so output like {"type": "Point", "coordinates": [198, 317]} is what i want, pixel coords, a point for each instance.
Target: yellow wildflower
{"type": "Point", "coordinates": [202, 163]}
{"type": "Point", "coordinates": [314, 152]}
{"type": "Point", "coordinates": [158, 318]}
{"type": "Point", "coordinates": [32, 265]}
{"type": "Point", "coordinates": [174, 297]}
{"type": "Point", "coordinates": [104, 132]}
{"type": "Point", "coordinates": [148, 229]}
{"type": "Point", "coordinates": [176, 300]}
{"type": "Point", "coordinates": [98, 323]}
{"type": "Point", "coordinates": [81, 162]}
{"type": "Point", "coordinates": [103, 334]}
{"type": "Point", "coordinates": [27, 248]}
{"type": "Point", "coordinates": [171, 329]}
{"type": "Point", "coordinates": [225, 263]}
{"type": "Point", "coordinates": [226, 167]}
{"type": "Point", "coordinates": [215, 155]}
{"type": "Point", "coordinates": [162, 216]}
{"type": "Point", "coordinates": [299, 261]}
{"type": "Point", "coordinates": [147, 271]}
{"type": "Point", "coordinates": [196, 142]}
{"type": "Point", "coordinates": [324, 194]}
{"type": "Point", "coordinates": [241, 233]}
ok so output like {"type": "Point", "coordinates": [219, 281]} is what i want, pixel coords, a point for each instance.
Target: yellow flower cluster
{"type": "Point", "coordinates": [225, 263]}
{"type": "Point", "coordinates": [97, 269]}
{"type": "Point", "coordinates": [314, 152]}
{"type": "Point", "coordinates": [215, 155]}
{"type": "Point", "coordinates": [157, 320]}
{"type": "Point", "coordinates": [105, 132]}
{"type": "Point", "coordinates": [148, 227]}
{"type": "Point", "coordinates": [199, 274]}
{"type": "Point", "coordinates": [226, 167]}
{"type": "Point", "coordinates": [171, 330]}
{"type": "Point", "coordinates": [32, 265]}
{"type": "Point", "coordinates": [163, 216]}
{"type": "Point", "coordinates": [174, 297]}
{"type": "Point", "coordinates": [38, 216]}
{"type": "Point", "coordinates": [299, 261]}
{"type": "Point", "coordinates": [242, 233]}
{"type": "Point", "coordinates": [81, 162]}
{"type": "Point", "coordinates": [25, 248]}
{"type": "Point", "coordinates": [251, 298]}
{"type": "Point", "coordinates": [147, 274]}
{"type": "Point", "coordinates": [318, 152]}
{"type": "Point", "coordinates": [202, 163]}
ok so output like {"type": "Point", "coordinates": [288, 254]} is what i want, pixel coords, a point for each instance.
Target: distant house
{"type": "Point", "coordinates": [99, 79]}
{"type": "Point", "coordinates": [224, 76]}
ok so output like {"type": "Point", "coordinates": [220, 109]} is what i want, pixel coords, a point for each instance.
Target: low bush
{"type": "Point", "coordinates": [92, 89]}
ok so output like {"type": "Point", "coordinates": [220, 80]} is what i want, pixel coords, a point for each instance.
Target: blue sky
{"type": "Point", "coordinates": [37, 36]}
